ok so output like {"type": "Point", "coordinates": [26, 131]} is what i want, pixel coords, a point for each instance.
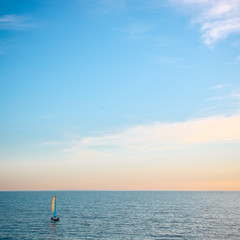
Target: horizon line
{"type": "Point", "coordinates": [106, 190]}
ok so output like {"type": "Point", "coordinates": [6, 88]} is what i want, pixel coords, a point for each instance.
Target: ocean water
{"type": "Point", "coordinates": [120, 215]}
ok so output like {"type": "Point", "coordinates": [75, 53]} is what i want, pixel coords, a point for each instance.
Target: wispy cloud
{"type": "Point", "coordinates": [234, 95]}
{"type": "Point", "coordinates": [158, 136]}
{"type": "Point", "coordinates": [218, 18]}
{"type": "Point", "coordinates": [217, 98]}
{"type": "Point", "coordinates": [218, 86]}
{"type": "Point", "coordinates": [225, 100]}
{"type": "Point", "coordinates": [15, 22]}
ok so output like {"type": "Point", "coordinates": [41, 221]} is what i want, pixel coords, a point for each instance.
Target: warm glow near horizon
{"type": "Point", "coordinates": [120, 95]}
{"type": "Point", "coordinates": [183, 165]}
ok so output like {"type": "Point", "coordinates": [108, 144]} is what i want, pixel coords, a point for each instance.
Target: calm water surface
{"type": "Point", "coordinates": [121, 215]}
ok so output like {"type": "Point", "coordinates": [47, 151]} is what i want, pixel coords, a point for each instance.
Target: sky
{"type": "Point", "coordinates": [120, 95]}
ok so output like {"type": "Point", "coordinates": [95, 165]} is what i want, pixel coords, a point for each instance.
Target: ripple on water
{"type": "Point", "coordinates": [121, 215]}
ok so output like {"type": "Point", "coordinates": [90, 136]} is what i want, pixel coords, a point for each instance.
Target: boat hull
{"type": "Point", "coordinates": [55, 219]}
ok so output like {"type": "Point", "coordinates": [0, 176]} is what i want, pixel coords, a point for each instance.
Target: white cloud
{"type": "Point", "coordinates": [164, 136]}
{"type": "Point", "coordinates": [218, 18]}
{"type": "Point", "coordinates": [218, 86]}
{"type": "Point", "coordinates": [217, 98]}
{"type": "Point", "coordinates": [15, 22]}
{"type": "Point", "coordinates": [219, 29]}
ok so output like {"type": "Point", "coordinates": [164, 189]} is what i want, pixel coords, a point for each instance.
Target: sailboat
{"type": "Point", "coordinates": [54, 217]}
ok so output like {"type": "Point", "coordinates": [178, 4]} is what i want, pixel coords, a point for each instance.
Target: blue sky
{"type": "Point", "coordinates": [78, 79]}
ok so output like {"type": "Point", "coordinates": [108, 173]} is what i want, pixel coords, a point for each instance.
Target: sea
{"type": "Point", "coordinates": [120, 215]}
